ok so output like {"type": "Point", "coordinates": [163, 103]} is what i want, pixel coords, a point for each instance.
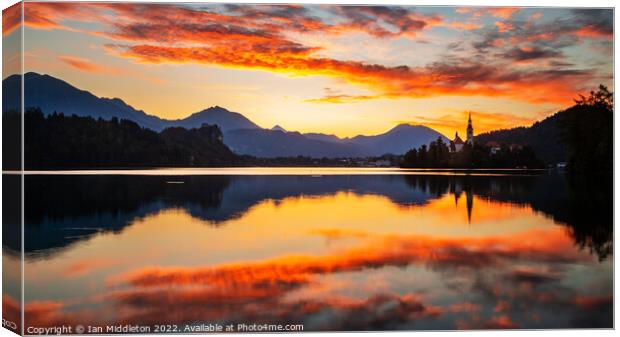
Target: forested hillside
{"type": "Point", "coordinates": [544, 137]}
{"type": "Point", "coordinates": [59, 141]}
{"type": "Point", "coordinates": [581, 136]}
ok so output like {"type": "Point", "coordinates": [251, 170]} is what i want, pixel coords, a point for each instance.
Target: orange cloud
{"type": "Point", "coordinates": [499, 12]}
{"type": "Point", "coordinates": [439, 79]}
{"type": "Point", "coordinates": [502, 12]}
{"type": "Point", "coordinates": [11, 18]}
{"type": "Point", "coordinates": [86, 65]}
{"type": "Point", "coordinates": [503, 26]}
{"type": "Point", "coordinates": [341, 99]}
{"type": "Point", "coordinates": [594, 32]}
{"type": "Point", "coordinates": [51, 15]}
{"type": "Point", "coordinates": [463, 25]}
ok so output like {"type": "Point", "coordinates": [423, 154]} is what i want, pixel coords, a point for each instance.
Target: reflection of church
{"type": "Point", "coordinates": [457, 144]}
{"type": "Point", "coordinates": [458, 189]}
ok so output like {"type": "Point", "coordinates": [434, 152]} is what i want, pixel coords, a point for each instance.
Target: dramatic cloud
{"type": "Point", "coordinates": [531, 53]}
{"type": "Point", "coordinates": [455, 78]}
{"type": "Point", "coordinates": [259, 37]}
{"type": "Point", "coordinates": [374, 19]}
{"type": "Point", "coordinates": [52, 15]}
{"type": "Point", "coordinates": [593, 23]}
{"type": "Point", "coordinates": [549, 35]}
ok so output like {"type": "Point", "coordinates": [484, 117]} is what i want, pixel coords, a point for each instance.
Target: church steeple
{"type": "Point", "coordinates": [470, 132]}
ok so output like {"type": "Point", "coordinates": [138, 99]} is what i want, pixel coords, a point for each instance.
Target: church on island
{"type": "Point", "coordinates": [457, 144]}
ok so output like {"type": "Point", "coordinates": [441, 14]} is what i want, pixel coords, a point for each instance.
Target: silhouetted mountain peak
{"type": "Point", "coordinates": [216, 108]}
{"type": "Point", "coordinates": [116, 100]}
{"type": "Point", "coordinates": [32, 74]}
{"type": "Point", "coordinates": [407, 127]}
{"type": "Point", "coordinates": [227, 120]}
{"type": "Point", "coordinates": [52, 94]}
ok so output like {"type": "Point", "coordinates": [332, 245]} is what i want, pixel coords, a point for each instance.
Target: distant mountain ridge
{"type": "Point", "coordinates": [52, 94]}
{"type": "Point", "coordinates": [242, 135]}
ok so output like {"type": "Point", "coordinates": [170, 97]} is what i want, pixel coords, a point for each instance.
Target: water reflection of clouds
{"type": "Point", "coordinates": [392, 265]}
{"type": "Point", "coordinates": [506, 274]}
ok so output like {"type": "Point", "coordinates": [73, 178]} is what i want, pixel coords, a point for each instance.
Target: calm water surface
{"type": "Point", "coordinates": [330, 251]}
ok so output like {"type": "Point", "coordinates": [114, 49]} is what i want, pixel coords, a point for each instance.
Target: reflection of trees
{"type": "Point", "coordinates": [582, 204]}
{"type": "Point", "coordinates": [11, 213]}
{"type": "Point", "coordinates": [62, 209]}
{"type": "Point", "coordinates": [590, 217]}
{"type": "Point", "coordinates": [435, 185]}
{"type": "Point", "coordinates": [71, 196]}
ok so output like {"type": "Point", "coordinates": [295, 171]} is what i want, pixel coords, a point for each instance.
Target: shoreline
{"type": "Point", "coordinates": [303, 171]}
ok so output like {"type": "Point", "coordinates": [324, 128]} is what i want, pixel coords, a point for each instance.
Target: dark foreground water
{"type": "Point", "coordinates": [331, 252]}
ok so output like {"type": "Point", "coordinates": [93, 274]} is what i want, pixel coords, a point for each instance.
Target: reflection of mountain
{"type": "Point", "coordinates": [247, 191]}
{"type": "Point", "coordinates": [65, 209]}
{"type": "Point", "coordinates": [241, 134]}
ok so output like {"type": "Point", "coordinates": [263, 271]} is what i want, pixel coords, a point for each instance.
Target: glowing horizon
{"type": "Point", "coordinates": [343, 70]}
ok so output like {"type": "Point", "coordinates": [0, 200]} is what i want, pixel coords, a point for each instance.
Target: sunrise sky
{"type": "Point", "coordinates": [344, 70]}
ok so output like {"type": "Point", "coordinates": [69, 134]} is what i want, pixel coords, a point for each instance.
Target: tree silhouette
{"type": "Point", "coordinates": [601, 98]}
{"type": "Point", "coordinates": [439, 155]}
{"type": "Point", "coordinates": [587, 130]}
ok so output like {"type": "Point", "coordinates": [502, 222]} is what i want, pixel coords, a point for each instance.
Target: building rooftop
{"type": "Point", "coordinates": [457, 139]}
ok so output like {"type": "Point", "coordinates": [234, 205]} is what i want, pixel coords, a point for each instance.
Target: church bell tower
{"type": "Point", "coordinates": [470, 132]}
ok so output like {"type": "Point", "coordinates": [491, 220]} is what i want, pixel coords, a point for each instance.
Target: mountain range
{"type": "Point", "coordinates": [241, 135]}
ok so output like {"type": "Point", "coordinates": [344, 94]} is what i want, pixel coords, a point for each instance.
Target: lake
{"type": "Point", "coordinates": [332, 249]}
